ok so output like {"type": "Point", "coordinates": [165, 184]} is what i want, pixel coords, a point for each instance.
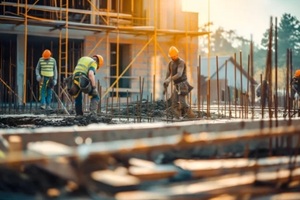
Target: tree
{"type": "Point", "coordinates": [226, 43]}
{"type": "Point", "coordinates": [288, 38]}
{"type": "Point", "coordinates": [222, 42]}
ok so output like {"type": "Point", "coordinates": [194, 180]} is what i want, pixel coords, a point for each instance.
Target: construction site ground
{"type": "Point", "coordinates": [140, 152]}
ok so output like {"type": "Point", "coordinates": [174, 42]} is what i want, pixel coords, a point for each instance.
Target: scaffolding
{"type": "Point", "coordinates": [113, 17]}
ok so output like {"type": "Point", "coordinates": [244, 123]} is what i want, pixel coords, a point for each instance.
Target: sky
{"type": "Point", "coordinates": [248, 18]}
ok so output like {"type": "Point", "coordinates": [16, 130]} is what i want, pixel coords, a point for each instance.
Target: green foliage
{"type": "Point", "coordinates": [288, 37]}
{"type": "Point", "coordinates": [226, 43]}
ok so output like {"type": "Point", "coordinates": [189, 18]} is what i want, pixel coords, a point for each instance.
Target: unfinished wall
{"type": "Point", "coordinates": [94, 31]}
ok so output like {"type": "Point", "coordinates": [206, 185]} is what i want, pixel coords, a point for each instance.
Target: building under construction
{"type": "Point", "coordinates": [51, 155]}
{"type": "Point", "coordinates": [133, 37]}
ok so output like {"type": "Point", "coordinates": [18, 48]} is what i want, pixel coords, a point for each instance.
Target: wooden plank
{"type": "Point", "coordinates": [159, 172]}
{"type": "Point", "coordinates": [186, 140]}
{"type": "Point", "coordinates": [15, 143]}
{"type": "Point", "coordinates": [189, 188]}
{"type": "Point", "coordinates": [228, 184]}
{"type": "Point", "coordinates": [21, 157]}
{"type": "Point", "coordinates": [139, 195]}
{"type": "Point", "coordinates": [112, 181]}
{"type": "Point", "coordinates": [280, 196]}
{"type": "Point", "coordinates": [149, 144]}
{"type": "Point", "coordinates": [50, 148]}
{"type": "Point", "coordinates": [116, 21]}
{"type": "Point", "coordinates": [210, 167]}
{"type": "Point", "coordinates": [130, 90]}
{"type": "Point", "coordinates": [114, 178]}
{"type": "Point", "coordinates": [147, 170]}
{"type": "Point", "coordinates": [145, 130]}
{"type": "Point", "coordinates": [229, 194]}
{"type": "Point", "coordinates": [70, 10]}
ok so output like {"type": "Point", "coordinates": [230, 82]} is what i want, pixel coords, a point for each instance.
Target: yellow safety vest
{"type": "Point", "coordinates": [84, 64]}
{"type": "Point", "coordinates": [47, 67]}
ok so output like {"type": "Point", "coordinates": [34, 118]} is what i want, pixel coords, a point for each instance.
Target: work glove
{"type": "Point", "coordinates": [68, 81]}
{"type": "Point", "coordinates": [38, 78]}
{"type": "Point", "coordinates": [296, 96]}
{"type": "Point", "coordinates": [94, 91]}
{"type": "Point", "coordinates": [166, 83]}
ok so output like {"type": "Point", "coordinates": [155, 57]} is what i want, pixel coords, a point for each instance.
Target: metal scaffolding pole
{"type": "Point", "coordinates": [56, 16]}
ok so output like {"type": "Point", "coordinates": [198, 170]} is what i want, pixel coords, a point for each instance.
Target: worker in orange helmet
{"type": "Point", "coordinates": [46, 75]}
{"type": "Point", "coordinates": [295, 85]}
{"type": "Point", "coordinates": [177, 74]}
{"type": "Point", "coordinates": [83, 81]}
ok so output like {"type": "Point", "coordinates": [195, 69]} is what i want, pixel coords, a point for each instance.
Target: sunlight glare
{"type": "Point", "coordinates": [190, 5]}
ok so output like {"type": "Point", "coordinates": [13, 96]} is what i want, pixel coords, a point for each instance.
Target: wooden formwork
{"type": "Point", "coordinates": [124, 161]}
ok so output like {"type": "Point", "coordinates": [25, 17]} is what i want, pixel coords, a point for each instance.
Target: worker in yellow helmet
{"type": "Point", "coordinates": [46, 75]}
{"type": "Point", "coordinates": [83, 81]}
{"type": "Point", "coordinates": [177, 74]}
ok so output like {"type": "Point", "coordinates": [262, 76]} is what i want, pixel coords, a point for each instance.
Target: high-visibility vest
{"type": "Point", "coordinates": [84, 64]}
{"type": "Point", "coordinates": [47, 67]}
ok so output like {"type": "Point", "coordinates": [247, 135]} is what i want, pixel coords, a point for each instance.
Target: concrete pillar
{"type": "Point", "coordinates": [20, 67]}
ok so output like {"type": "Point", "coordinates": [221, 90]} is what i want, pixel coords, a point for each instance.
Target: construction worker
{"type": "Point", "coordinates": [295, 85]}
{"type": "Point", "coordinates": [262, 92]}
{"type": "Point", "coordinates": [83, 81]}
{"type": "Point", "coordinates": [177, 74]}
{"type": "Point", "coordinates": [46, 75]}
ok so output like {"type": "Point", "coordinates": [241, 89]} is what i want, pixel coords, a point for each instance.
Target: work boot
{"type": "Point", "coordinates": [190, 113]}
{"type": "Point", "coordinates": [176, 112]}
{"type": "Point", "coordinates": [48, 107]}
{"type": "Point", "coordinates": [43, 107]}
{"type": "Point", "coordinates": [78, 110]}
{"type": "Point", "coordinates": [93, 107]}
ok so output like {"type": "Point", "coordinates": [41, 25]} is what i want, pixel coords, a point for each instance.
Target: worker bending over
{"type": "Point", "coordinates": [83, 81]}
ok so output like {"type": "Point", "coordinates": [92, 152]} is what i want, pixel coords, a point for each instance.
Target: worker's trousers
{"type": "Point", "coordinates": [79, 100]}
{"type": "Point", "coordinates": [45, 92]}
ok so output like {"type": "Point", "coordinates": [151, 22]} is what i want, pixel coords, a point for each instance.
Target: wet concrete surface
{"type": "Point", "coordinates": [134, 112]}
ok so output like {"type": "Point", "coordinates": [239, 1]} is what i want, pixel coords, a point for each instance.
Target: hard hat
{"type": "Point", "coordinates": [99, 59]}
{"type": "Point", "coordinates": [173, 51]}
{"type": "Point", "coordinates": [297, 73]}
{"type": "Point", "coordinates": [46, 54]}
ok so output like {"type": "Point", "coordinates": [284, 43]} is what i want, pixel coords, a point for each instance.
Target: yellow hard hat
{"type": "Point", "coordinates": [173, 51]}
{"type": "Point", "coordinates": [46, 54]}
{"type": "Point", "coordinates": [297, 73]}
{"type": "Point", "coordinates": [99, 59]}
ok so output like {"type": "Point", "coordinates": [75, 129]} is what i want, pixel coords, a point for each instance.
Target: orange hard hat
{"type": "Point", "coordinates": [99, 60]}
{"type": "Point", "coordinates": [173, 51]}
{"type": "Point", "coordinates": [297, 73]}
{"type": "Point", "coordinates": [46, 54]}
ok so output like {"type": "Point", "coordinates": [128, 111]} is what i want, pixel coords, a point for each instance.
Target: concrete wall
{"type": "Point", "coordinates": [145, 63]}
